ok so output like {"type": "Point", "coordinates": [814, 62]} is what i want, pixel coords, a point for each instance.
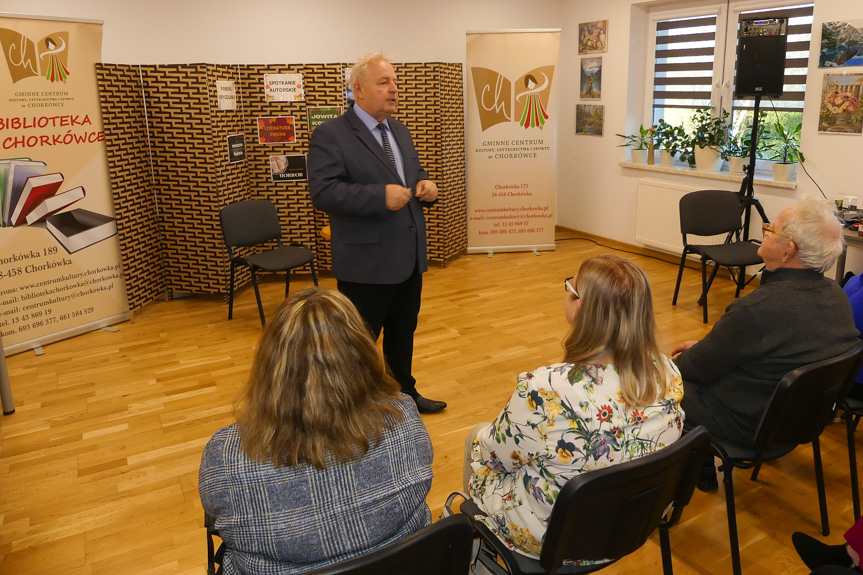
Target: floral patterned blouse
{"type": "Point", "coordinates": [562, 420]}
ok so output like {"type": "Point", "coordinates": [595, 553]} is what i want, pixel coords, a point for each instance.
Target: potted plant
{"type": "Point", "coordinates": [671, 140]}
{"type": "Point", "coordinates": [639, 143]}
{"type": "Point", "coordinates": [739, 146]}
{"type": "Point", "coordinates": [784, 146]}
{"type": "Point", "coordinates": [709, 137]}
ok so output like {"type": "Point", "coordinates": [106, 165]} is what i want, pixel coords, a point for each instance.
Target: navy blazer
{"type": "Point", "coordinates": [348, 174]}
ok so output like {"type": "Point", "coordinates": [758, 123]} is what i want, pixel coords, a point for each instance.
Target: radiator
{"type": "Point", "coordinates": [657, 216]}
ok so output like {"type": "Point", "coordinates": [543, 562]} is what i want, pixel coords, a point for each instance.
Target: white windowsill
{"type": "Point", "coordinates": [762, 179]}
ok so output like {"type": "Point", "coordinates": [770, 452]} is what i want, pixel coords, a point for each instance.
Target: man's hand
{"type": "Point", "coordinates": [681, 348]}
{"type": "Point", "coordinates": [397, 197]}
{"type": "Point", "coordinates": [426, 191]}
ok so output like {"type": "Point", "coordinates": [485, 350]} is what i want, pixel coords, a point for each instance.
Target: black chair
{"type": "Point", "coordinates": [442, 548]}
{"type": "Point", "coordinates": [711, 213]}
{"type": "Point", "coordinates": [214, 556]}
{"type": "Point", "coordinates": [853, 409]}
{"type": "Point", "coordinates": [250, 223]}
{"type": "Point", "coordinates": [803, 403]}
{"type": "Point", "coordinates": [608, 513]}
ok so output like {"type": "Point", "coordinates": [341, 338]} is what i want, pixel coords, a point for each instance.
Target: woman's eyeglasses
{"type": "Point", "coordinates": [567, 286]}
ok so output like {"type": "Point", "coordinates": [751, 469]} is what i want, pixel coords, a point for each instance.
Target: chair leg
{"type": "Point", "coordinates": [819, 482]}
{"type": "Point", "coordinates": [703, 299]}
{"type": "Point", "coordinates": [727, 470]}
{"type": "Point", "coordinates": [679, 276]}
{"type": "Point", "coordinates": [258, 297]}
{"type": "Point", "coordinates": [314, 272]}
{"type": "Point", "coordinates": [852, 463]}
{"type": "Point", "coordinates": [231, 293]}
{"type": "Point", "coordinates": [287, 283]}
{"type": "Point", "coordinates": [741, 278]}
{"type": "Point", "coordinates": [665, 547]}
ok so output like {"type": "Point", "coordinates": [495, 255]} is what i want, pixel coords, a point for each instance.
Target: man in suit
{"type": "Point", "coordinates": [365, 173]}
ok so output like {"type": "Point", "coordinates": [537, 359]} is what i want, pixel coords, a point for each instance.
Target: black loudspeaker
{"type": "Point", "coordinates": [761, 57]}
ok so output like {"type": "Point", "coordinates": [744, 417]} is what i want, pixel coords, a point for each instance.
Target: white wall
{"type": "Point", "coordinates": [598, 196]}
{"type": "Point", "coordinates": [290, 31]}
{"type": "Point", "coordinates": [595, 194]}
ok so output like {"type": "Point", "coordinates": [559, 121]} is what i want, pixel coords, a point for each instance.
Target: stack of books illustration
{"type": "Point", "coordinates": [29, 195]}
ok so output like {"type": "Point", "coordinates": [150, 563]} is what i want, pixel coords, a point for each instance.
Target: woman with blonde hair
{"type": "Point", "coordinates": [327, 460]}
{"type": "Point", "coordinates": [614, 398]}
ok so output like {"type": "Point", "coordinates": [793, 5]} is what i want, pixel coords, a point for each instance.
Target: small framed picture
{"type": "Point", "coordinates": [593, 37]}
{"type": "Point", "coordinates": [589, 119]}
{"type": "Point", "coordinates": [591, 78]}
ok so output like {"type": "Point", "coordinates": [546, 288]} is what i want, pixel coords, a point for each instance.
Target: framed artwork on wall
{"type": "Point", "coordinates": [841, 44]}
{"type": "Point", "coordinates": [840, 104]}
{"type": "Point", "coordinates": [590, 87]}
{"type": "Point", "coordinates": [589, 119]}
{"type": "Point", "coordinates": [593, 37]}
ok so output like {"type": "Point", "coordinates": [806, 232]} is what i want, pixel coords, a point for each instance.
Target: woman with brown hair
{"type": "Point", "coordinates": [614, 398]}
{"type": "Point", "coordinates": [327, 460]}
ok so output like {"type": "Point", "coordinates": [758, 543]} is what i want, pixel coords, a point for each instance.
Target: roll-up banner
{"type": "Point", "coordinates": [511, 139]}
{"type": "Point", "coordinates": [60, 271]}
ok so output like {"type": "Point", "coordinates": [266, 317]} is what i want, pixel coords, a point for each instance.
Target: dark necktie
{"type": "Point", "coordinates": [385, 140]}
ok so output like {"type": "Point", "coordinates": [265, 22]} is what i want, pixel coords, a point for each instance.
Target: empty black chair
{"type": "Point", "coordinates": [803, 403]}
{"type": "Point", "coordinates": [442, 548]}
{"type": "Point", "coordinates": [608, 513]}
{"type": "Point", "coordinates": [251, 223]}
{"type": "Point", "coordinates": [711, 213]}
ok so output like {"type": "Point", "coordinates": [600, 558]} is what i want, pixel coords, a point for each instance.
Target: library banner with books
{"type": "Point", "coordinates": [60, 271]}
{"type": "Point", "coordinates": [511, 140]}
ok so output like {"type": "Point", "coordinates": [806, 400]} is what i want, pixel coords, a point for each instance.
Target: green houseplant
{"type": "Point", "coordinates": [784, 146]}
{"type": "Point", "coordinates": [639, 142]}
{"type": "Point", "coordinates": [739, 146]}
{"type": "Point", "coordinates": [671, 140]}
{"type": "Point", "coordinates": [709, 137]}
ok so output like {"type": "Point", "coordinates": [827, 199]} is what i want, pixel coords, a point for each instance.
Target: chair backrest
{"type": "Point", "coordinates": [248, 223]}
{"type": "Point", "coordinates": [710, 212]}
{"type": "Point", "coordinates": [806, 400]}
{"type": "Point", "coordinates": [609, 513]}
{"type": "Point", "coordinates": [443, 548]}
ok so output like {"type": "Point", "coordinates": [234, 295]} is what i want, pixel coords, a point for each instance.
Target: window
{"type": "Point", "coordinates": [695, 64]}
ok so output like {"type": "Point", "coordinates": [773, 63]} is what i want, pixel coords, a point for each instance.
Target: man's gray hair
{"type": "Point", "coordinates": [814, 226]}
{"type": "Point", "coordinates": [361, 67]}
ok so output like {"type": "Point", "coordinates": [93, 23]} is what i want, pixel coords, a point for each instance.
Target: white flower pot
{"type": "Point", "coordinates": [665, 158]}
{"type": "Point", "coordinates": [784, 172]}
{"type": "Point", "coordinates": [737, 163]}
{"type": "Point", "coordinates": [639, 156]}
{"type": "Point", "coordinates": [708, 160]}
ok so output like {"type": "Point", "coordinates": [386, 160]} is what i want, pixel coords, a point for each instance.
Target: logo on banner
{"type": "Point", "coordinates": [524, 101]}
{"type": "Point", "coordinates": [26, 58]}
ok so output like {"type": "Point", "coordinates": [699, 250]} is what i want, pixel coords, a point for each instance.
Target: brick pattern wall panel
{"type": "Point", "coordinates": [430, 96]}
{"type": "Point", "coordinates": [130, 176]}
{"type": "Point", "coordinates": [187, 191]}
{"type": "Point", "coordinates": [231, 179]}
{"type": "Point", "coordinates": [300, 221]}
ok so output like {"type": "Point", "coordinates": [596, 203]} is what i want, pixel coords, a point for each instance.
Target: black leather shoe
{"type": "Point", "coordinates": [707, 481]}
{"type": "Point", "coordinates": [815, 554]}
{"type": "Point", "coordinates": [425, 405]}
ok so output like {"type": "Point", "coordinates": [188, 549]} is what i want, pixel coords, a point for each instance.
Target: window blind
{"type": "Point", "coordinates": [683, 68]}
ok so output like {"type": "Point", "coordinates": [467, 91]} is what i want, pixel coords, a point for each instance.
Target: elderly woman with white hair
{"type": "Point", "coordinates": [794, 318]}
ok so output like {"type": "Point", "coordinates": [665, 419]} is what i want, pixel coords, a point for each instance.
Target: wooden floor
{"type": "Point", "coordinates": [99, 463]}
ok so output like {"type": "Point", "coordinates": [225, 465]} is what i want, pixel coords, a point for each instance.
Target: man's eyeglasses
{"type": "Point", "coordinates": [767, 229]}
{"type": "Point", "coordinates": [567, 286]}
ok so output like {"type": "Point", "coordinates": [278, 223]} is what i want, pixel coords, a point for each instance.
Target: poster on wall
{"type": "Point", "coordinates": [226, 92]}
{"type": "Point", "coordinates": [288, 168]}
{"type": "Point", "coordinates": [591, 79]}
{"type": "Point", "coordinates": [841, 44]}
{"type": "Point", "coordinates": [511, 140]}
{"type": "Point", "coordinates": [236, 148]}
{"type": "Point", "coordinates": [840, 104]}
{"type": "Point", "coordinates": [284, 87]}
{"type": "Point", "coordinates": [276, 130]}
{"type": "Point", "coordinates": [317, 115]}
{"type": "Point", "coordinates": [60, 271]}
